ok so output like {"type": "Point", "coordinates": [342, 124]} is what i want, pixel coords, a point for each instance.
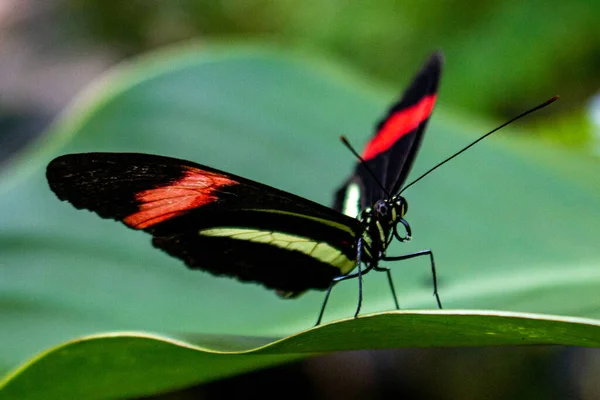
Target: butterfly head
{"type": "Point", "coordinates": [381, 223]}
{"type": "Point", "coordinates": [387, 212]}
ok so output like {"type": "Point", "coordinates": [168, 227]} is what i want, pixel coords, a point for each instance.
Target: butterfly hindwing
{"type": "Point", "coordinates": [213, 220]}
{"type": "Point", "coordinates": [391, 152]}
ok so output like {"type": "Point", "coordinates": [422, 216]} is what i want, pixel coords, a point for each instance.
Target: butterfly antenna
{"type": "Point", "coordinates": [544, 104]}
{"type": "Point", "coordinates": [363, 163]}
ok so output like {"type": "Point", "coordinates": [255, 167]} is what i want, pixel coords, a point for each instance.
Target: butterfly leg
{"type": "Point", "coordinates": [337, 279]}
{"type": "Point", "coordinates": [359, 275]}
{"type": "Point", "coordinates": [432, 261]}
{"type": "Point", "coordinates": [333, 282]}
{"type": "Point", "coordinates": [360, 282]}
{"type": "Point", "coordinates": [391, 282]}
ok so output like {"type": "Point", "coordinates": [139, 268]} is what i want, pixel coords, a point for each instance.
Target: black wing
{"type": "Point", "coordinates": [213, 220]}
{"type": "Point", "coordinates": [393, 148]}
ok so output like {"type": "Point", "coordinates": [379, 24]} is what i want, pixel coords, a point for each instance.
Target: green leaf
{"type": "Point", "coordinates": [134, 364]}
{"type": "Point", "coordinates": [513, 225]}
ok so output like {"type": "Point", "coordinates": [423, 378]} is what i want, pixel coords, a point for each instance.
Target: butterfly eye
{"type": "Point", "coordinates": [381, 208]}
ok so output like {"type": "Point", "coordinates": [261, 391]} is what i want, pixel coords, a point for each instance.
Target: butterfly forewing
{"type": "Point", "coordinates": [213, 220]}
{"type": "Point", "coordinates": [391, 152]}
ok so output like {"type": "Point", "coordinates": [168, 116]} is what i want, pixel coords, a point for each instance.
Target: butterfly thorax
{"type": "Point", "coordinates": [380, 226]}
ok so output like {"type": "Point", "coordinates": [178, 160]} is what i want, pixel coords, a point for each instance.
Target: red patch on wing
{"type": "Point", "coordinates": [194, 190]}
{"type": "Point", "coordinates": [398, 125]}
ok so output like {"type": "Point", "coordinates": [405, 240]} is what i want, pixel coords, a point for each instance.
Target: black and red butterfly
{"type": "Point", "coordinates": [232, 226]}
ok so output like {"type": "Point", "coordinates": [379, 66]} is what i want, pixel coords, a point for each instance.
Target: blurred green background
{"type": "Point", "coordinates": [504, 57]}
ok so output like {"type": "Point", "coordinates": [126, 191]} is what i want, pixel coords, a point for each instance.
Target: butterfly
{"type": "Point", "coordinates": [232, 226]}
